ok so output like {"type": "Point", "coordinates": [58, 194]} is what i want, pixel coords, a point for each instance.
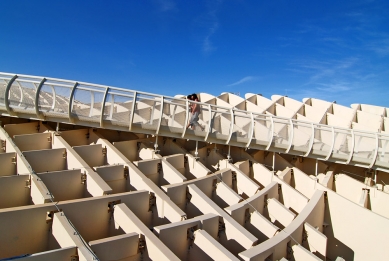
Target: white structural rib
{"type": "Point", "coordinates": [241, 131]}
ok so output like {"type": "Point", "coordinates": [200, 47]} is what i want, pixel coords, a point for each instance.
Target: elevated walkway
{"type": "Point", "coordinates": [92, 105]}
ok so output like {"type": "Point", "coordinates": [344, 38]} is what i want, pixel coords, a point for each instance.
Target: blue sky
{"type": "Point", "coordinates": [333, 50]}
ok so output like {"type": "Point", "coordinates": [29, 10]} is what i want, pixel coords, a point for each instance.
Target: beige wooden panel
{"type": "Point", "coordinates": [36, 141]}
{"type": "Point", "coordinates": [300, 253]}
{"type": "Point", "coordinates": [7, 167]}
{"type": "Point", "coordinates": [212, 247]}
{"type": "Point", "coordinates": [93, 220]}
{"type": "Point", "coordinates": [76, 137]}
{"type": "Point", "coordinates": [235, 238]}
{"type": "Point", "coordinates": [13, 191]}
{"type": "Point", "coordinates": [64, 185]}
{"type": "Point", "coordinates": [117, 247]}
{"type": "Point", "coordinates": [46, 160]}
{"type": "Point", "coordinates": [67, 236]}
{"type": "Point", "coordinates": [317, 241]}
{"type": "Point", "coordinates": [130, 223]}
{"type": "Point", "coordinates": [62, 254]}
{"type": "Point", "coordinates": [113, 175]}
{"type": "Point", "coordinates": [23, 128]}
{"type": "Point", "coordinates": [175, 235]}
{"type": "Point", "coordinates": [278, 212]}
{"type": "Point", "coordinates": [91, 154]}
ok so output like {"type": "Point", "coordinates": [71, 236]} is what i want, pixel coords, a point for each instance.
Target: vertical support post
{"type": "Point", "coordinates": [70, 108]}
{"type": "Point", "coordinates": [290, 135]}
{"type": "Point", "coordinates": [274, 161]}
{"type": "Point", "coordinates": [231, 126]}
{"type": "Point", "coordinates": [210, 122]}
{"type": "Point", "coordinates": [103, 107]}
{"type": "Point", "coordinates": [332, 145]}
{"type": "Point", "coordinates": [186, 118]}
{"type": "Point", "coordinates": [250, 136]}
{"type": "Point", "coordinates": [38, 90]}
{"type": "Point", "coordinates": [271, 132]}
{"type": "Point", "coordinates": [352, 147]}
{"type": "Point", "coordinates": [156, 145]}
{"type": "Point", "coordinates": [197, 149]}
{"type": "Point", "coordinates": [132, 111]}
{"type": "Point", "coordinates": [316, 167]}
{"type": "Point", "coordinates": [160, 116]}
{"type": "Point", "coordinates": [229, 154]}
{"type": "Point", "coordinates": [6, 95]}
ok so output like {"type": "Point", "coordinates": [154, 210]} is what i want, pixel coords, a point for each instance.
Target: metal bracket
{"type": "Point", "coordinates": [152, 201]}
{"type": "Point", "coordinates": [188, 195]}
{"type": "Point", "coordinates": [265, 201]}
{"type": "Point", "coordinates": [13, 160]}
{"type": "Point", "coordinates": [185, 159]}
{"type": "Point", "coordinates": [65, 154]}
{"type": "Point", "coordinates": [112, 204]}
{"type": "Point", "coordinates": [159, 167]}
{"type": "Point", "coordinates": [49, 139]}
{"type": "Point", "coordinates": [221, 228]}
{"type": "Point", "coordinates": [126, 172]}
{"type": "Point", "coordinates": [104, 150]}
{"type": "Point", "coordinates": [74, 258]}
{"type": "Point", "coordinates": [3, 144]}
{"type": "Point", "coordinates": [141, 245]}
{"type": "Point", "coordinates": [247, 215]}
{"type": "Point", "coordinates": [83, 178]}
{"type": "Point", "coordinates": [50, 215]}
{"type": "Point", "coordinates": [28, 183]}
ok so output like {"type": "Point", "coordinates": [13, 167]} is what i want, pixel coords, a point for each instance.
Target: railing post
{"type": "Point", "coordinates": [103, 107]}
{"type": "Point", "coordinates": [375, 152]}
{"type": "Point", "coordinates": [38, 90]}
{"type": "Point", "coordinates": [231, 126]}
{"type": "Point", "coordinates": [132, 111]}
{"type": "Point", "coordinates": [70, 108]}
{"type": "Point", "coordinates": [250, 137]}
{"type": "Point", "coordinates": [160, 116]}
{"type": "Point", "coordinates": [352, 147]}
{"type": "Point", "coordinates": [6, 95]}
{"type": "Point", "coordinates": [186, 119]}
{"type": "Point", "coordinates": [332, 145]}
{"type": "Point", "coordinates": [271, 132]}
{"type": "Point", "coordinates": [209, 123]}
{"type": "Point", "coordinates": [310, 141]}
{"type": "Point", "coordinates": [291, 135]}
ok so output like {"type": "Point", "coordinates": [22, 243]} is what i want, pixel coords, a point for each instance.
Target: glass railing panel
{"type": "Point", "coordinates": [383, 151]}
{"type": "Point", "coordinates": [3, 85]}
{"type": "Point", "coordinates": [147, 111]}
{"type": "Point", "coordinates": [22, 94]}
{"type": "Point", "coordinates": [118, 107]}
{"type": "Point", "coordinates": [220, 122]}
{"type": "Point", "coordinates": [365, 145]}
{"type": "Point", "coordinates": [173, 116]}
{"type": "Point", "coordinates": [262, 133]}
{"type": "Point", "coordinates": [342, 145]}
{"type": "Point", "coordinates": [242, 127]}
{"type": "Point", "coordinates": [322, 142]}
{"type": "Point", "coordinates": [282, 133]}
{"type": "Point", "coordinates": [87, 102]}
{"type": "Point", "coordinates": [302, 134]}
{"type": "Point", "coordinates": [55, 93]}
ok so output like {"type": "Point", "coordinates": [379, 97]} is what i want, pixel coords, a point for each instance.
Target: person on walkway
{"type": "Point", "coordinates": [195, 112]}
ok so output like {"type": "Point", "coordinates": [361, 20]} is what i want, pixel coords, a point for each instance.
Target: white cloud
{"type": "Point", "coordinates": [243, 80]}
{"type": "Point", "coordinates": [166, 5]}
